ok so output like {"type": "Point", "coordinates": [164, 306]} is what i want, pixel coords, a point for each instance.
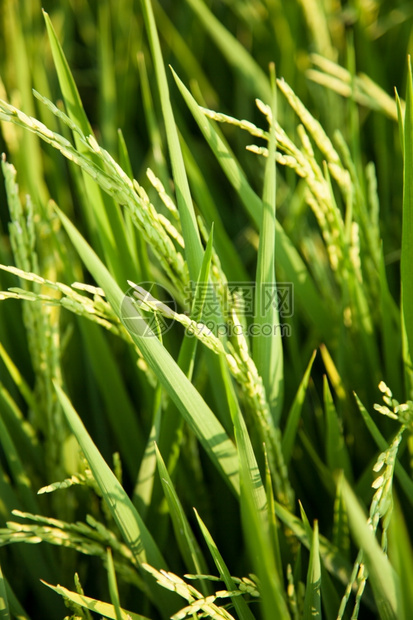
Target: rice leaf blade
{"type": "Point", "coordinates": [193, 246]}
{"type": "Point", "coordinates": [381, 574]}
{"type": "Point", "coordinates": [240, 605]}
{"type": "Point", "coordinates": [190, 550]}
{"type": "Point", "coordinates": [312, 603]}
{"type": "Point", "coordinates": [267, 349]}
{"type": "Point", "coordinates": [131, 526]}
{"type": "Point", "coordinates": [4, 604]}
{"type": "Point", "coordinates": [407, 230]}
{"type": "Point", "coordinates": [100, 208]}
{"type": "Point", "coordinates": [113, 586]}
{"type": "Point", "coordinates": [188, 400]}
{"type": "Point", "coordinates": [293, 418]}
{"type": "Point", "coordinates": [104, 609]}
{"type": "Point", "coordinates": [286, 255]}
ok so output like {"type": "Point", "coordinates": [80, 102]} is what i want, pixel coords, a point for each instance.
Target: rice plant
{"type": "Point", "coordinates": [205, 208]}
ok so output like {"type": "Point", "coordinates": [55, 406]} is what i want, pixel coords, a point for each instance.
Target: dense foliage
{"type": "Point", "coordinates": [206, 240]}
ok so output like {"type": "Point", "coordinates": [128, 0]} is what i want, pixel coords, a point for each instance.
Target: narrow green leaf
{"type": "Point", "coordinates": [32, 166]}
{"type": "Point", "coordinates": [18, 470]}
{"type": "Point", "coordinates": [306, 523]}
{"type": "Point", "coordinates": [121, 413]}
{"type": "Point", "coordinates": [107, 78]}
{"type": "Point", "coordinates": [18, 379]}
{"type": "Point", "coordinates": [100, 209]}
{"type": "Point", "coordinates": [16, 610]}
{"type": "Point", "coordinates": [246, 456]}
{"type": "Point", "coordinates": [312, 602]}
{"type": "Point", "coordinates": [255, 527]}
{"type": "Point", "coordinates": [286, 255]}
{"type": "Point", "coordinates": [330, 598]}
{"type": "Point", "coordinates": [67, 84]}
{"type": "Point", "coordinates": [272, 519]}
{"type": "Point", "coordinates": [113, 586]}
{"type": "Point", "coordinates": [400, 117]}
{"type": "Point", "coordinates": [124, 159]}
{"type": "Point", "coordinates": [20, 428]}
{"type": "Point", "coordinates": [152, 124]}
{"type": "Point", "coordinates": [333, 560]}
{"type": "Point", "coordinates": [124, 513]}
{"type": "Point", "coordinates": [336, 449]}
{"type": "Point", "coordinates": [230, 260]}
{"type": "Point", "coordinates": [142, 494]}
{"type": "Point", "coordinates": [293, 418]}
{"type": "Point", "coordinates": [383, 579]}
{"type": "Point", "coordinates": [341, 532]}
{"type": "Point", "coordinates": [390, 320]}
{"type": "Point", "coordinates": [104, 609]}
{"type": "Point", "coordinates": [188, 400]}
{"type": "Point", "coordinates": [254, 511]}
{"type": "Point", "coordinates": [407, 231]}
{"type": "Point", "coordinates": [240, 605]}
{"type": "Point", "coordinates": [193, 246]}
{"type": "Point", "coordinates": [401, 556]}
{"type": "Point", "coordinates": [189, 548]}
{"type": "Point", "coordinates": [267, 349]}
{"type": "Point", "coordinates": [188, 349]}
{"type": "Point", "coordinates": [4, 605]}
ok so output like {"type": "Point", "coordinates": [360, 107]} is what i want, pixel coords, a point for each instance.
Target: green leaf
{"type": "Point", "coordinates": [240, 605]}
{"type": "Point", "coordinates": [254, 511]}
{"type": "Point", "coordinates": [407, 231]}
{"type": "Point", "coordinates": [401, 556]}
{"type": "Point", "coordinates": [246, 456]}
{"type": "Point", "coordinates": [255, 517]}
{"type": "Point", "coordinates": [104, 609]}
{"type": "Point", "coordinates": [121, 413]}
{"type": "Point", "coordinates": [187, 352]}
{"type": "Point", "coordinates": [131, 526]}
{"type": "Point", "coordinates": [333, 560]}
{"type": "Point", "coordinates": [4, 605]}
{"type": "Point", "coordinates": [100, 209]}
{"type": "Point", "coordinates": [272, 519]}
{"type": "Point", "coordinates": [286, 256]}
{"type": "Point", "coordinates": [18, 379]}
{"type": "Point", "coordinates": [18, 470]}
{"type": "Point", "coordinates": [198, 415]}
{"type": "Point", "coordinates": [190, 550]}
{"type": "Point", "coordinates": [142, 494]}
{"type": "Point", "coordinates": [383, 579]}
{"type": "Point", "coordinates": [256, 533]}
{"type": "Point", "coordinates": [341, 532]}
{"type": "Point", "coordinates": [312, 602]}
{"type": "Point", "coordinates": [267, 349]}
{"type": "Point", "coordinates": [390, 317]}
{"type": "Point", "coordinates": [16, 610]}
{"type": "Point", "coordinates": [229, 257]}
{"type": "Point", "coordinates": [193, 246]}
{"type": "Point", "coordinates": [337, 453]}
{"type": "Point", "coordinates": [113, 586]}
{"type": "Point", "coordinates": [293, 418]}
